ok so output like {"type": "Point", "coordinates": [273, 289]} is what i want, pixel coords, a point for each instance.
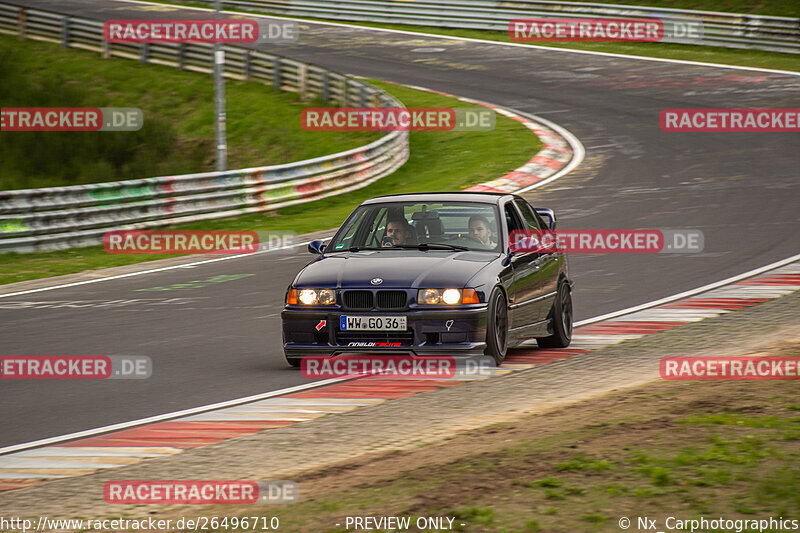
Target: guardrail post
{"type": "Point", "coordinates": [22, 18]}
{"type": "Point", "coordinates": [345, 87]}
{"type": "Point", "coordinates": [145, 52]}
{"type": "Point", "coordinates": [325, 87]}
{"type": "Point", "coordinates": [65, 32]}
{"type": "Point", "coordinates": [276, 73]}
{"type": "Point", "coordinates": [181, 55]}
{"type": "Point", "coordinates": [247, 59]}
{"type": "Point", "coordinates": [362, 97]}
{"type": "Point", "coordinates": [302, 81]}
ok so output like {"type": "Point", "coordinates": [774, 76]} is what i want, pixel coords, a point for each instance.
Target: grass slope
{"type": "Point", "coordinates": [263, 126]}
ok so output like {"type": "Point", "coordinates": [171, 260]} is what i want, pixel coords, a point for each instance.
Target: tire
{"type": "Point", "coordinates": [294, 361]}
{"type": "Point", "coordinates": [497, 327]}
{"type": "Point", "coordinates": [561, 316]}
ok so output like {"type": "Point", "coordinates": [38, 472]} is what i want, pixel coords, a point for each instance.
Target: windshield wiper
{"type": "Point", "coordinates": [360, 248]}
{"type": "Point", "coordinates": [433, 246]}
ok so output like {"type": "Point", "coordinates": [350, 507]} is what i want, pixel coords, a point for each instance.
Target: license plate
{"type": "Point", "coordinates": [372, 323]}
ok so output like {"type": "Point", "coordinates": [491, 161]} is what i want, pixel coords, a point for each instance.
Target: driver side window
{"type": "Point", "coordinates": [531, 222]}
{"type": "Point", "coordinates": [513, 222]}
{"type": "Point", "coordinates": [512, 218]}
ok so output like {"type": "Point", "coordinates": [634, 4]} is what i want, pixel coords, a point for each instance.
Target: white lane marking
{"type": "Point", "coordinates": [605, 340]}
{"type": "Point", "coordinates": [320, 402]}
{"type": "Point", "coordinates": [692, 292]}
{"type": "Point", "coordinates": [35, 463]}
{"type": "Point", "coordinates": [165, 416]}
{"type": "Point", "coordinates": [64, 452]}
{"type": "Point", "coordinates": [788, 269]}
{"type": "Point", "coordinates": [748, 291]}
{"type": "Point", "coordinates": [481, 41]}
{"type": "Point", "coordinates": [577, 149]}
{"type": "Point", "coordinates": [233, 417]}
{"type": "Point", "coordinates": [141, 272]}
{"type": "Point", "coordinates": [18, 475]}
{"type": "Point", "coordinates": [579, 340]}
{"type": "Point", "coordinates": [673, 315]}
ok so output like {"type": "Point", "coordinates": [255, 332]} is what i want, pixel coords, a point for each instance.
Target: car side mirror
{"type": "Point", "coordinates": [316, 247]}
{"type": "Point", "coordinates": [548, 215]}
{"type": "Point", "coordinates": [509, 255]}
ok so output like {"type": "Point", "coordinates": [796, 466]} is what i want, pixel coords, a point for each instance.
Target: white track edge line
{"type": "Point", "coordinates": [578, 149]}
{"type": "Point", "coordinates": [166, 416]}
{"type": "Point", "coordinates": [248, 399]}
{"type": "Point", "coordinates": [482, 41]}
{"type": "Point", "coordinates": [141, 272]}
{"type": "Point", "coordinates": [691, 292]}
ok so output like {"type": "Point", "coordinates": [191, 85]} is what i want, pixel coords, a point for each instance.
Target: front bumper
{"type": "Point", "coordinates": [459, 331]}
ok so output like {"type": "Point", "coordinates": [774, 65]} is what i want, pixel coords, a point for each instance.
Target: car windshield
{"type": "Point", "coordinates": [419, 225]}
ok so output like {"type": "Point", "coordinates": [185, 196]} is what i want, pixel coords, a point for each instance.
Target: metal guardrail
{"type": "Point", "coordinates": [732, 30]}
{"type": "Point", "coordinates": [56, 218]}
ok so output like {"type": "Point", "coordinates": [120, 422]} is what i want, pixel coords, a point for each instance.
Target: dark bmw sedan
{"type": "Point", "coordinates": [430, 274]}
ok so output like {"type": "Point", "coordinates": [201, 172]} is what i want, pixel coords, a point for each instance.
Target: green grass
{"type": "Point", "coordinates": [263, 126]}
{"type": "Point", "coordinates": [583, 462]}
{"type": "Point", "coordinates": [439, 161]}
{"type": "Point", "coordinates": [710, 54]}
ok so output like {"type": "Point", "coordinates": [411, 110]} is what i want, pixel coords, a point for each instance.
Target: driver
{"type": "Point", "coordinates": [481, 230]}
{"type": "Point", "coordinates": [399, 231]}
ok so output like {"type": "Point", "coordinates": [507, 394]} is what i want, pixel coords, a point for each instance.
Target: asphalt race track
{"type": "Point", "coordinates": [221, 340]}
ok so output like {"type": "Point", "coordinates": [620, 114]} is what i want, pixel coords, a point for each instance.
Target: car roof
{"type": "Point", "coordinates": [464, 196]}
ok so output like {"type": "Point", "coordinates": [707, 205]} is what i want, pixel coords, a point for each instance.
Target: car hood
{"type": "Point", "coordinates": [397, 268]}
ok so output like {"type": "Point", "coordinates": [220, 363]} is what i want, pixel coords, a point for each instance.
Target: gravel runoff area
{"type": "Point", "coordinates": [296, 451]}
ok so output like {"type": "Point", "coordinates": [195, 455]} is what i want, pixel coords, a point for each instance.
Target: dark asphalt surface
{"type": "Point", "coordinates": [222, 340]}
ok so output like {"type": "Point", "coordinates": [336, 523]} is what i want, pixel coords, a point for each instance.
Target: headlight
{"type": "Point", "coordinates": [447, 296]}
{"type": "Point", "coordinates": [312, 296]}
{"type": "Point", "coordinates": [451, 296]}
